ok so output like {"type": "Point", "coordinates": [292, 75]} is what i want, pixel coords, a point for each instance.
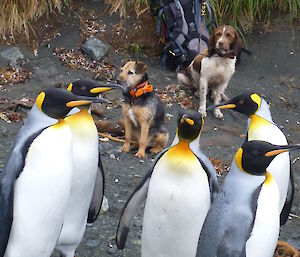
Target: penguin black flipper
{"type": "Point", "coordinates": [210, 171]}
{"type": "Point", "coordinates": [211, 176]}
{"type": "Point", "coordinates": [132, 205]}
{"type": "Point", "coordinates": [11, 172]}
{"type": "Point", "coordinates": [237, 233]}
{"type": "Point", "coordinates": [98, 193]}
{"type": "Point", "coordinates": [284, 215]}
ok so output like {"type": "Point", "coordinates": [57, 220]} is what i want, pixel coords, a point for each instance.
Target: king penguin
{"type": "Point", "coordinates": [87, 186]}
{"type": "Point", "coordinates": [179, 188]}
{"type": "Point", "coordinates": [244, 218]}
{"type": "Point", "coordinates": [36, 181]}
{"type": "Point", "coordinates": [262, 127]}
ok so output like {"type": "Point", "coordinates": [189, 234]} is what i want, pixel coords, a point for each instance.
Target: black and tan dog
{"type": "Point", "coordinates": [144, 113]}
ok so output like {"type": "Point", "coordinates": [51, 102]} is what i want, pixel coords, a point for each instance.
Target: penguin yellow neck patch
{"type": "Point", "coordinates": [183, 150]}
{"type": "Point", "coordinates": [256, 124]}
{"type": "Point", "coordinates": [39, 100]}
{"type": "Point", "coordinates": [59, 124]}
{"type": "Point", "coordinates": [238, 159]}
{"type": "Point", "coordinates": [269, 179]}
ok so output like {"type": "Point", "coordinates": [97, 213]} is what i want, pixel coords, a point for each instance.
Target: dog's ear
{"type": "Point", "coordinates": [197, 62]}
{"type": "Point", "coordinates": [124, 62]}
{"type": "Point", "coordinates": [237, 45]}
{"type": "Point", "coordinates": [140, 67]}
{"type": "Point", "coordinates": [211, 44]}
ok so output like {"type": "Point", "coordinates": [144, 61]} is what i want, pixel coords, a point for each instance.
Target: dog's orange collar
{"type": "Point", "coordinates": [141, 89]}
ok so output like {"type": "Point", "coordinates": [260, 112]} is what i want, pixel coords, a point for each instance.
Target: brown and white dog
{"type": "Point", "coordinates": [214, 68]}
{"type": "Point", "coordinates": [144, 113]}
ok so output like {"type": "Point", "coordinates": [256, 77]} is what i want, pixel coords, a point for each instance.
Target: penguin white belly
{"type": "Point", "coordinates": [265, 232]}
{"type": "Point", "coordinates": [280, 166]}
{"type": "Point", "coordinates": [41, 194]}
{"type": "Point", "coordinates": [177, 203]}
{"type": "Point", "coordinates": [85, 161]}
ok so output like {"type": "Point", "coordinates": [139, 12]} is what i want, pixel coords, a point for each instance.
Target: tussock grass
{"type": "Point", "coordinates": [242, 14]}
{"type": "Point", "coordinates": [17, 14]}
{"type": "Point", "coordinates": [245, 13]}
{"type": "Point", "coordinates": [121, 6]}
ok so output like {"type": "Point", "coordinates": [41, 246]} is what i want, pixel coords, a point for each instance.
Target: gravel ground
{"type": "Point", "coordinates": [273, 71]}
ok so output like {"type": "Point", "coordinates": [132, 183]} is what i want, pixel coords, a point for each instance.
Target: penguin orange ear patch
{"type": "Point", "coordinates": [257, 99]}
{"type": "Point", "coordinates": [40, 99]}
{"type": "Point", "coordinates": [70, 87]}
{"type": "Point", "coordinates": [238, 158]}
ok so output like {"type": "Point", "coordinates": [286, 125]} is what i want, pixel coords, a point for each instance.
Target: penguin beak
{"type": "Point", "coordinates": [77, 103]}
{"type": "Point", "coordinates": [221, 106]}
{"type": "Point", "coordinates": [104, 88]}
{"type": "Point", "coordinates": [187, 120]}
{"type": "Point", "coordinates": [98, 90]}
{"type": "Point", "coordinates": [82, 100]}
{"type": "Point", "coordinates": [282, 149]}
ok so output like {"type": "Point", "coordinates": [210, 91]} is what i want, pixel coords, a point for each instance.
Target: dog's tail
{"type": "Point", "coordinates": [184, 76]}
{"type": "Point", "coordinates": [246, 51]}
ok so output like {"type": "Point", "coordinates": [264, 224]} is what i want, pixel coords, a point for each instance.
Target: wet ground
{"type": "Point", "coordinates": [273, 71]}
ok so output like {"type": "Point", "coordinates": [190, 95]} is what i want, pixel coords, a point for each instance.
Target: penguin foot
{"type": "Point", "coordinates": [218, 114]}
{"type": "Point", "coordinates": [140, 154]}
{"type": "Point", "coordinates": [125, 148]}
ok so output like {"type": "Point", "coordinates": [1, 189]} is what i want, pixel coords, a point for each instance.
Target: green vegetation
{"type": "Point", "coordinates": [17, 14]}
{"type": "Point", "coordinates": [133, 49]}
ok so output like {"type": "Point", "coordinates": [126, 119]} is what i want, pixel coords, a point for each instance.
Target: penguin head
{"type": "Point", "coordinates": [189, 125]}
{"type": "Point", "coordinates": [88, 87]}
{"type": "Point", "coordinates": [57, 103]}
{"type": "Point", "coordinates": [245, 103]}
{"type": "Point", "coordinates": [254, 157]}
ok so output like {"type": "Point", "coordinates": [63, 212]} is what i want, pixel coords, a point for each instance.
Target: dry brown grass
{"type": "Point", "coordinates": [17, 14]}
{"type": "Point", "coordinates": [121, 6]}
{"type": "Point", "coordinates": [242, 14]}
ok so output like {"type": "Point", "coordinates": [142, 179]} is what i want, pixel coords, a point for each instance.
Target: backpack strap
{"type": "Point", "coordinates": [212, 21]}
{"type": "Point", "coordinates": [197, 14]}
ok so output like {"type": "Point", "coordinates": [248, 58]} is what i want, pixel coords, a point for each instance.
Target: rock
{"type": "Point", "coordinates": [105, 206]}
{"type": "Point", "coordinates": [45, 70]}
{"type": "Point", "coordinates": [95, 48]}
{"type": "Point", "coordinates": [12, 54]}
{"type": "Point", "coordinates": [92, 243]}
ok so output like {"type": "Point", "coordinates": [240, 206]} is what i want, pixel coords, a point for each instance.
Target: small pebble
{"type": "Point", "coordinates": [93, 243]}
{"type": "Point", "coordinates": [112, 156]}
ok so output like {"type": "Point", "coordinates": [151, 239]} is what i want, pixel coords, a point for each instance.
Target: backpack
{"type": "Point", "coordinates": [181, 22]}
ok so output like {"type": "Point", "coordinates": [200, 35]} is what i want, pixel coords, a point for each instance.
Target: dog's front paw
{"type": "Point", "coordinates": [218, 114]}
{"type": "Point", "coordinates": [140, 154]}
{"type": "Point", "coordinates": [202, 111]}
{"type": "Point", "coordinates": [125, 148]}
